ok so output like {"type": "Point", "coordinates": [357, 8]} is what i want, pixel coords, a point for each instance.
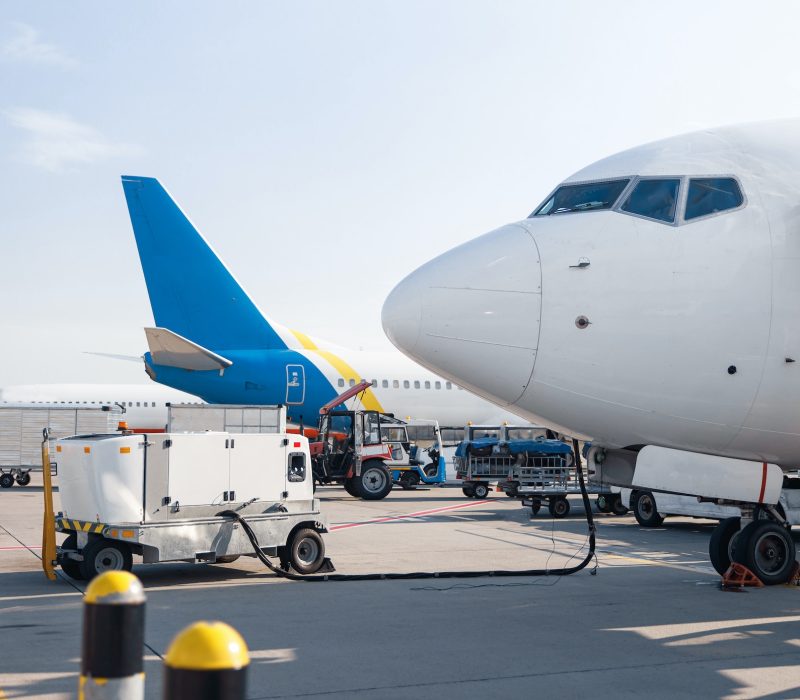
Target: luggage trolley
{"type": "Point", "coordinates": [481, 459]}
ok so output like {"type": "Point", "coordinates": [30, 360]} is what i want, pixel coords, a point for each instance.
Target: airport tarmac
{"type": "Point", "coordinates": [651, 623]}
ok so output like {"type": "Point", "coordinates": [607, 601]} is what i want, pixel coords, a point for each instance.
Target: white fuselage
{"type": "Point", "coordinates": [145, 404]}
{"type": "Point", "coordinates": [630, 330]}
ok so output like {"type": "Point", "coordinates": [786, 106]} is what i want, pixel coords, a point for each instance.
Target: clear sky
{"type": "Point", "coordinates": [326, 149]}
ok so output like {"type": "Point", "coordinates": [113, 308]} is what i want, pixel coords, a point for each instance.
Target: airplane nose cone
{"type": "Point", "coordinates": [472, 314]}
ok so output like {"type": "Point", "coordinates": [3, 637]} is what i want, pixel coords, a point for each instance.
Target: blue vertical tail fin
{"type": "Point", "coordinates": [191, 291]}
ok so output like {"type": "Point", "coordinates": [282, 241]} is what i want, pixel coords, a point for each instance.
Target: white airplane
{"type": "Point", "coordinates": [145, 404]}
{"type": "Point", "coordinates": [651, 302]}
{"type": "Point", "coordinates": [212, 341]}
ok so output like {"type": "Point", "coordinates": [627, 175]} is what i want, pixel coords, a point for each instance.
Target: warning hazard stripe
{"type": "Point", "coordinates": [418, 514]}
{"type": "Point", "coordinates": [763, 482]}
{"type": "Point", "coordinates": [79, 525]}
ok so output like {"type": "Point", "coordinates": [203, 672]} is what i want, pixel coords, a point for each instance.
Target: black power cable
{"type": "Point", "coordinates": [433, 574]}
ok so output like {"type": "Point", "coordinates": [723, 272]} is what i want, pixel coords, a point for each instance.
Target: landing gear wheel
{"type": "Point", "coordinates": [767, 549]}
{"type": "Point", "coordinates": [558, 507]}
{"type": "Point", "coordinates": [645, 511]}
{"type": "Point", "coordinates": [617, 506]}
{"type": "Point", "coordinates": [721, 544]}
{"type": "Point", "coordinates": [6, 480]}
{"type": "Point", "coordinates": [480, 490]}
{"type": "Point", "coordinates": [350, 487]}
{"type": "Point", "coordinates": [375, 481]}
{"type": "Point", "coordinates": [24, 479]}
{"type": "Point", "coordinates": [536, 506]}
{"type": "Point", "coordinates": [603, 504]}
{"type": "Point", "coordinates": [71, 567]}
{"type": "Point", "coordinates": [468, 491]}
{"type": "Point", "coordinates": [306, 551]}
{"type": "Point", "coordinates": [105, 555]}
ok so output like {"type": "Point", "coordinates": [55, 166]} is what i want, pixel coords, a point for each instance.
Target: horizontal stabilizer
{"type": "Point", "coordinates": [172, 350]}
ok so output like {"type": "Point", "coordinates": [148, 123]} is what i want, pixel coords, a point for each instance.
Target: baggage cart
{"type": "Point", "coordinates": [21, 428]}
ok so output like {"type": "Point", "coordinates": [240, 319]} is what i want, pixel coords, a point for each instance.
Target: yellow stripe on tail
{"type": "Point", "coordinates": [369, 400]}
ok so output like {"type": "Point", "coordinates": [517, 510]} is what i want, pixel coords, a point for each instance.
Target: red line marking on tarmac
{"type": "Point", "coordinates": [418, 514]}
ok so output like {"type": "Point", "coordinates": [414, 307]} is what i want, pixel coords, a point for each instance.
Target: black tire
{"type": "Point", "coordinates": [71, 567]}
{"type": "Point", "coordinates": [767, 549]}
{"type": "Point", "coordinates": [105, 555]}
{"type": "Point", "coordinates": [350, 487]}
{"type": "Point", "coordinates": [6, 480]}
{"type": "Point", "coordinates": [375, 481]}
{"type": "Point", "coordinates": [617, 506]}
{"type": "Point", "coordinates": [306, 551]}
{"type": "Point", "coordinates": [558, 507]}
{"type": "Point", "coordinates": [645, 510]}
{"type": "Point", "coordinates": [24, 479]}
{"type": "Point", "coordinates": [227, 559]}
{"type": "Point", "coordinates": [603, 504]}
{"type": "Point", "coordinates": [408, 480]}
{"type": "Point", "coordinates": [510, 494]}
{"type": "Point", "coordinates": [467, 491]}
{"type": "Point", "coordinates": [480, 490]}
{"type": "Point", "coordinates": [720, 546]}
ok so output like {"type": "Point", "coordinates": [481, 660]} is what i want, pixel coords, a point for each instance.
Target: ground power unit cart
{"type": "Point", "coordinates": [164, 497]}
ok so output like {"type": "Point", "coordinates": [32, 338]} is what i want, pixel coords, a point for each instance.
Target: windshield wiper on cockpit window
{"type": "Point", "coordinates": [583, 206]}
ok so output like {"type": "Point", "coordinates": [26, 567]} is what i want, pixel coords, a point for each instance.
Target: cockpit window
{"type": "Point", "coordinates": [711, 195]}
{"type": "Point", "coordinates": [586, 197]}
{"type": "Point", "coordinates": [655, 199]}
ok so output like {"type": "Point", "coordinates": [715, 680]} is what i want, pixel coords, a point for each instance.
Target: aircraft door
{"type": "Point", "coordinates": [295, 384]}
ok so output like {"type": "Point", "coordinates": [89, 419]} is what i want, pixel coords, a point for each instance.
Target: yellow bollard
{"type": "Point", "coordinates": [112, 664]}
{"type": "Point", "coordinates": [206, 661]}
{"type": "Point", "coordinates": [48, 522]}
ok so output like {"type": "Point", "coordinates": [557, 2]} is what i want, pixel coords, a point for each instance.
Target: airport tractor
{"type": "Point", "coordinates": [350, 448]}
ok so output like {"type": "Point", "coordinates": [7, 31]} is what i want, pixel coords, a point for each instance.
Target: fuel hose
{"type": "Point", "coordinates": [416, 575]}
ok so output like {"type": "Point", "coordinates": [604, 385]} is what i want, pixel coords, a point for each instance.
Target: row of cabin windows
{"type": "Point", "coordinates": [139, 404]}
{"type": "Point", "coordinates": [406, 384]}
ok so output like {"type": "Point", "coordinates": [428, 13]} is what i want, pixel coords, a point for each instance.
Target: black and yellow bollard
{"type": "Point", "coordinates": [206, 661]}
{"type": "Point", "coordinates": [112, 664]}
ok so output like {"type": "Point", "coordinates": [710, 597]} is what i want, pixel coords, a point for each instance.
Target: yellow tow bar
{"type": "Point", "coordinates": [48, 523]}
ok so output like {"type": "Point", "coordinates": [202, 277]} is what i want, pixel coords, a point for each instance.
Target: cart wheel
{"type": "Point", "coordinates": [468, 491]}
{"type": "Point", "coordinates": [228, 559]}
{"type": "Point", "coordinates": [105, 555]}
{"type": "Point", "coordinates": [71, 567]}
{"type": "Point", "coordinates": [617, 506]}
{"type": "Point", "coordinates": [558, 507]}
{"type": "Point", "coordinates": [603, 504]}
{"type": "Point", "coordinates": [511, 494]}
{"type": "Point", "coordinates": [6, 480]}
{"type": "Point", "coordinates": [721, 544]}
{"type": "Point", "coordinates": [480, 490]}
{"type": "Point", "coordinates": [767, 549]}
{"type": "Point", "coordinates": [306, 551]}
{"type": "Point", "coordinates": [536, 506]}
{"type": "Point", "coordinates": [24, 478]}
{"type": "Point", "coordinates": [375, 481]}
{"type": "Point", "coordinates": [645, 511]}
{"type": "Point", "coordinates": [349, 486]}
{"type": "Point", "coordinates": [408, 480]}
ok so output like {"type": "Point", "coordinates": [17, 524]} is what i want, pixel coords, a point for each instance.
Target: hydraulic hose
{"type": "Point", "coordinates": [434, 574]}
